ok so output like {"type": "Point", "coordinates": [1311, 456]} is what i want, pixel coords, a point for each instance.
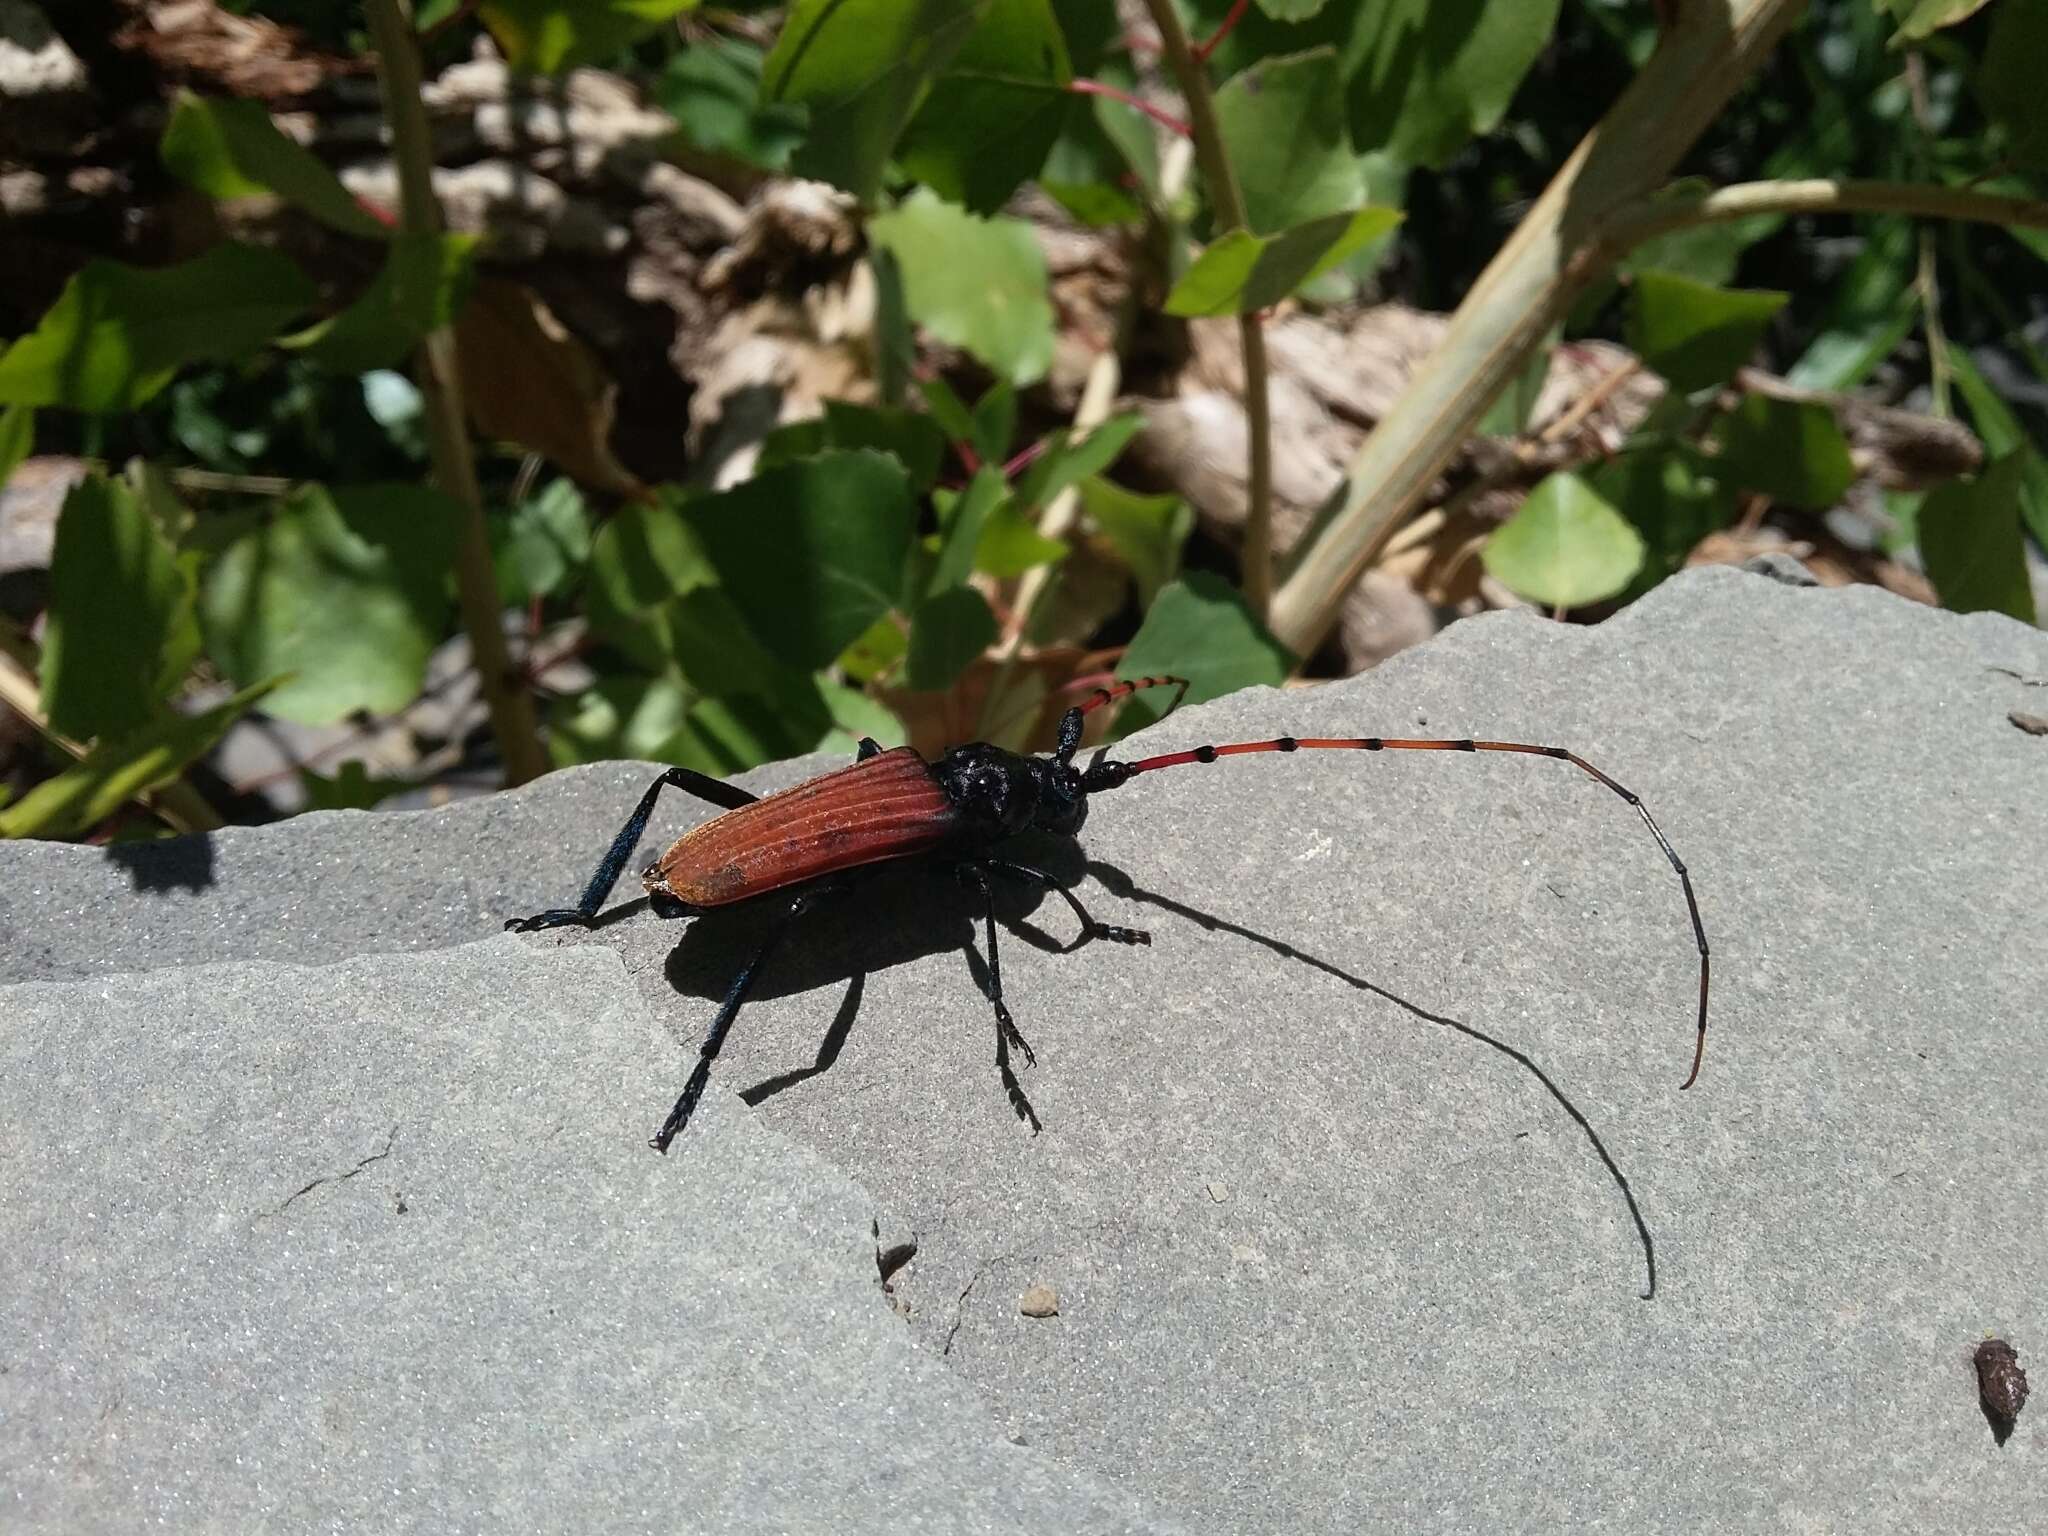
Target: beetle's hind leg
{"type": "Point", "coordinates": [1008, 1036]}
{"type": "Point", "coordinates": [726, 796]}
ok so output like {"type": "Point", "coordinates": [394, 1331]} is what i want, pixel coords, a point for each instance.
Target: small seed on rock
{"type": "Point", "coordinates": [1040, 1301]}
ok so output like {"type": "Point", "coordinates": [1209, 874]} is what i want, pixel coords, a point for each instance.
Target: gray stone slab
{"type": "Point", "coordinates": [374, 1248]}
{"type": "Point", "coordinates": [1349, 1185]}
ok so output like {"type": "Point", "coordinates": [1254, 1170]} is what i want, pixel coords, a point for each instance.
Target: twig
{"type": "Point", "coordinates": [1226, 202]}
{"type": "Point", "coordinates": [1096, 88]}
{"type": "Point", "coordinates": [440, 381]}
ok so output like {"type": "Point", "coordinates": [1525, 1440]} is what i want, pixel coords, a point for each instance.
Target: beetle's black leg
{"type": "Point", "coordinates": [869, 747]}
{"type": "Point", "coordinates": [726, 796]}
{"type": "Point", "coordinates": [972, 874]}
{"type": "Point", "coordinates": [728, 1010]}
{"type": "Point", "coordinates": [1090, 928]}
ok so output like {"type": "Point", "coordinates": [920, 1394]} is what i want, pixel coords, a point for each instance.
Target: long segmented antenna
{"type": "Point", "coordinates": [1108, 775]}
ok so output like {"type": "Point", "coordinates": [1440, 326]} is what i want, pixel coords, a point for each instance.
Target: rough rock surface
{"type": "Point", "coordinates": [1350, 1185]}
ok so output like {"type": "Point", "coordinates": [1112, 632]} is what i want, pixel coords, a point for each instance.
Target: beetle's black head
{"type": "Point", "coordinates": [1001, 793]}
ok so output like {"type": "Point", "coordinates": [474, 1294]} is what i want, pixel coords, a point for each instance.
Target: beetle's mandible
{"type": "Point", "coordinates": [809, 842]}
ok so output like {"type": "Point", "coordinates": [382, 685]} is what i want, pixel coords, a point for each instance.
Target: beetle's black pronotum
{"type": "Point", "coordinates": [810, 841]}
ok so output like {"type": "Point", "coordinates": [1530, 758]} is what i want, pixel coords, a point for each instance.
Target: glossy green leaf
{"type": "Point", "coordinates": [1696, 336]}
{"type": "Point", "coordinates": [546, 37]}
{"type": "Point", "coordinates": [1425, 76]}
{"type": "Point", "coordinates": [987, 123]}
{"type": "Point", "coordinates": [117, 642]}
{"type": "Point", "coordinates": [117, 334]}
{"type": "Point", "coordinates": [1063, 463]}
{"type": "Point", "coordinates": [1284, 124]}
{"type": "Point", "coordinates": [1793, 453]}
{"type": "Point", "coordinates": [1243, 272]}
{"type": "Point", "coordinates": [119, 768]}
{"type": "Point", "coordinates": [715, 649]}
{"type": "Point", "coordinates": [712, 90]}
{"type": "Point", "coordinates": [1146, 532]}
{"type": "Point", "coordinates": [1970, 540]}
{"type": "Point", "coordinates": [977, 284]}
{"type": "Point", "coordinates": [17, 438]}
{"type": "Point", "coordinates": [423, 284]}
{"type": "Point", "coordinates": [646, 554]}
{"type": "Point", "coordinates": [1670, 497]}
{"type": "Point", "coordinates": [1566, 546]}
{"type": "Point", "coordinates": [230, 149]}
{"type": "Point", "coordinates": [542, 542]}
{"type": "Point", "coordinates": [961, 536]}
{"type": "Point", "coordinates": [946, 633]}
{"type": "Point", "coordinates": [910, 436]}
{"type": "Point", "coordinates": [345, 588]}
{"type": "Point", "coordinates": [1199, 629]}
{"type": "Point", "coordinates": [1011, 544]}
{"type": "Point", "coordinates": [861, 67]}
{"type": "Point", "coordinates": [811, 553]}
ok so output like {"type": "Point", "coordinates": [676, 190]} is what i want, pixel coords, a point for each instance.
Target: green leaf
{"type": "Point", "coordinates": [716, 650]}
{"type": "Point", "coordinates": [877, 650]}
{"type": "Point", "coordinates": [424, 282]}
{"type": "Point", "coordinates": [962, 534]}
{"type": "Point", "coordinates": [118, 769]}
{"type": "Point", "coordinates": [2003, 434]}
{"type": "Point", "coordinates": [712, 89]}
{"type": "Point", "coordinates": [987, 124]}
{"type": "Point", "coordinates": [546, 37]}
{"type": "Point", "coordinates": [117, 334]}
{"type": "Point", "coordinates": [810, 553]}
{"type": "Point", "coordinates": [350, 789]}
{"type": "Point", "coordinates": [1670, 497]}
{"type": "Point", "coordinates": [1566, 546]}
{"type": "Point", "coordinates": [1200, 629]}
{"type": "Point", "coordinates": [1426, 76]}
{"type": "Point", "coordinates": [978, 284]}
{"type": "Point", "coordinates": [2009, 80]}
{"type": "Point", "coordinates": [542, 542]}
{"type": "Point", "coordinates": [1921, 19]}
{"type": "Point", "coordinates": [855, 715]}
{"type": "Point", "coordinates": [621, 716]}
{"type": "Point", "coordinates": [1243, 272]}
{"type": "Point", "coordinates": [861, 67]}
{"type": "Point", "coordinates": [120, 609]}
{"type": "Point", "coordinates": [1706, 253]}
{"type": "Point", "coordinates": [1011, 544]}
{"type": "Point", "coordinates": [230, 149]}
{"type": "Point", "coordinates": [948, 410]}
{"type": "Point", "coordinates": [1867, 312]}
{"type": "Point", "coordinates": [1146, 532]}
{"type": "Point", "coordinates": [910, 436]}
{"type": "Point", "coordinates": [946, 633]}
{"type": "Point", "coordinates": [1793, 453]}
{"type": "Point", "coordinates": [17, 438]}
{"type": "Point", "coordinates": [346, 588]}
{"type": "Point", "coordinates": [646, 554]}
{"type": "Point", "coordinates": [995, 422]}
{"type": "Point", "coordinates": [1970, 540]}
{"type": "Point", "coordinates": [1290, 10]}
{"type": "Point", "coordinates": [1063, 463]}
{"type": "Point", "coordinates": [1284, 125]}
{"type": "Point", "coordinates": [1696, 336]}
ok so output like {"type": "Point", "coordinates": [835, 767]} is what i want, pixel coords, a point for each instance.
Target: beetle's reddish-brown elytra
{"type": "Point", "coordinates": [811, 841]}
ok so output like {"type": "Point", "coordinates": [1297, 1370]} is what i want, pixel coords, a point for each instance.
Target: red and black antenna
{"type": "Point", "coordinates": [1109, 775]}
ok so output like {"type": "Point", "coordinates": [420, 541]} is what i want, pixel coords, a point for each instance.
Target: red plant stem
{"type": "Point", "coordinates": [1165, 119]}
{"type": "Point", "coordinates": [1203, 50]}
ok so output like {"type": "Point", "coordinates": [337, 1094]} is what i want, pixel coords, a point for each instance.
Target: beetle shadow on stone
{"type": "Point", "coordinates": [171, 864]}
{"type": "Point", "coordinates": [888, 916]}
{"type": "Point", "coordinates": [1120, 885]}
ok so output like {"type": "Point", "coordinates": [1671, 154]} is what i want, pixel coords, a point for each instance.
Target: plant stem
{"type": "Point", "coordinates": [440, 381]}
{"type": "Point", "coordinates": [1631, 226]}
{"type": "Point", "coordinates": [1560, 248]}
{"type": "Point", "coordinates": [1226, 203]}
